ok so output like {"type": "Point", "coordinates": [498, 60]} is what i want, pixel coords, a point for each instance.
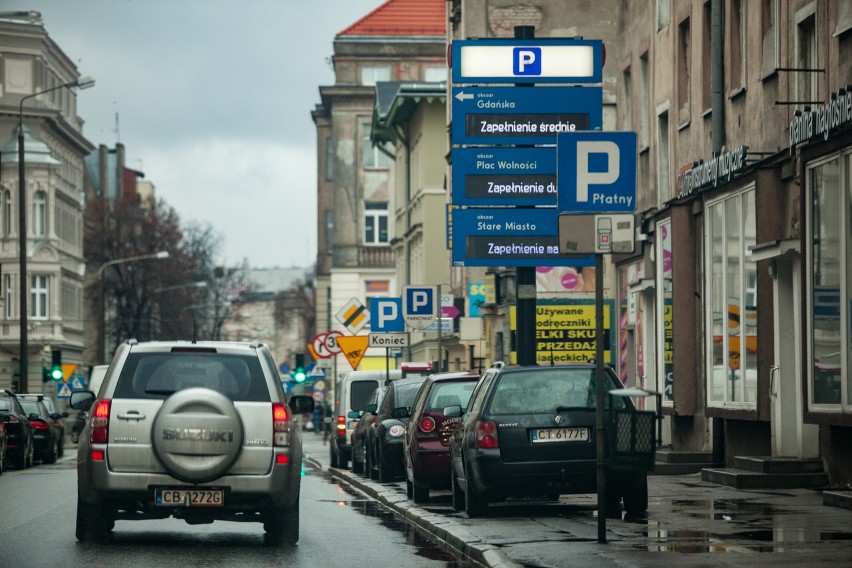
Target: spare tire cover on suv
{"type": "Point", "coordinates": [197, 435]}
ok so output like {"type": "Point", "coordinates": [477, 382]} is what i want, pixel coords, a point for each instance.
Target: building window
{"type": "Point", "coordinates": [738, 46]}
{"type": "Point", "coordinates": [329, 232]}
{"type": "Point", "coordinates": [625, 102]}
{"type": "Point", "coordinates": [435, 74]}
{"type": "Point", "coordinates": [769, 29]}
{"type": "Point", "coordinates": [644, 100]}
{"type": "Point", "coordinates": [683, 71]}
{"type": "Point", "coordinates": [7, 213]}
{"type": "Point", "coordinates": [663, 170]}
{"type": "Point", "coordinates": [731, 319]}
{"type": "Point", "coordinates": [39, 214]}
{"type": "Point", "coordinates": [9, 309]}
{"type": "Point", "coordinates": [830, 275]}
{"type": "Point", "coordinates": [329, 158]}
{"type": "Point", "coordinates": [371, 75]}
{"type": "Point", "coordinates": [39, 296]}
{"type": "Point", "coordinates": [663, 13]}
{"type": "Point", "coordinates": [374, 157]}
{"type": "Point", "coordinates": [806, 58]}
{"type": "Point", "coordinates": [665, 316]}
{"type": "Point", "coordinates": [706, 66]}
{"type": "Point", "coordinates": [375, 223]}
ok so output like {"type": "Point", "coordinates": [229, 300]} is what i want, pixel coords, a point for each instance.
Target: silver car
{"type": "Point", "coordinates": [199, 431]}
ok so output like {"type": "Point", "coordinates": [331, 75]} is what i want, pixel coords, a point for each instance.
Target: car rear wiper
{"type": "Point", "coordinates": [564, 408]}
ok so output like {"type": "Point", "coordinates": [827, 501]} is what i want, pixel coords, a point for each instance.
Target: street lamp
{"type": "Point", "coordinates": [81, 83]}
{"type": "Point", "coordinates": [102, 326]}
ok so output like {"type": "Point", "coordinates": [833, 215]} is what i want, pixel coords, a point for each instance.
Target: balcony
{"type": "Point", "coordinates": [375, 257]}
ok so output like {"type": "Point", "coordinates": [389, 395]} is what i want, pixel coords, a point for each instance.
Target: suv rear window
{"type": "Point", "coordinates": [535, 391]}
{"type": "Point", "coordinates": [158, 375]}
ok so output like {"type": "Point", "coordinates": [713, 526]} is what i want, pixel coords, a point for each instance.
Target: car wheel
{"type": "Point", "coordinates": [421, 493]}
{"type": "Point", "coordinates": [458, 494]}
{"type": "Point", "coordinates": [385, 475]}
{"type": "Point", "coordinates": [374, 468]}
{"type": "Point", "coordinates": [636, 494]}
{"type": "Point", "coordinates": [93, 525]}
{"type": "Point", "coordinates": [368, 464]}
{"type": "Point", "coordinates": [475, 504]}
{"type": "Point", "coordinates": [409, 489]}
{"type": "Point", "coordinates": [50, 456]}
{"type": "Point", "coordinates": [22, 461]}
{"type": "Point", "coordinates": [31, 454]}
{"type": "Point", "coordinates": [75, 437]}
{"type": "Point", "coordinates": [332, 456]}
{"type": "Point", "coordinates": [357, 467]}
{"type": "Point", "coordinates": [282, 526]}
{"type": "Point", "coordinates": [61, 450]}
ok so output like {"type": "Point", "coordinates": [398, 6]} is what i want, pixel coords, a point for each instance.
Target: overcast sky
{"type": "Point", "coordinates": [213, 101]}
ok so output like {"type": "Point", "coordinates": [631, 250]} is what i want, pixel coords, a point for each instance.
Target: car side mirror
{"type": "Point", "coordinates": [454, 410]}
{"type": "Point", "coordinates": [400, 412]}
{"type": "Point", "coordinates": [32, 417]}
{"type": "Point", "coordinates": [56, 416]}
{"type": "Point", "coordinates": [354, 414]}
{"type": "Point", "coordinates": [82, 400]}
{"type": "Point", "coordinates": [301, 404]}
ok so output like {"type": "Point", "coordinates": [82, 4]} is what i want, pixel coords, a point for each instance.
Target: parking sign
{"type": "Point", "coordinates": [386, 315]}
{"type": "Point", "coordinates": [420, 305]}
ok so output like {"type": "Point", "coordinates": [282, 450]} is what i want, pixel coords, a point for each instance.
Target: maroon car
{"type": "Point", "coordinates": [427, 457]}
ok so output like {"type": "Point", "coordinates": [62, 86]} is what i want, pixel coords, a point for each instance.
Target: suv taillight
{"type": "Point", "coordinates": [486, 435]}
{"type": "Point", "coordinates": [280, 424]}
{"type": "Point", "coordinates": [100, 423]}
{"type": "Point", "coordinates": [427, 424]}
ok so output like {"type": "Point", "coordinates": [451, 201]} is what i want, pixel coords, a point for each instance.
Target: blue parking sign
{"type": "Point", "coordinates": [386, 315]}
{"type": "Point", "coordinates": [420, 305]}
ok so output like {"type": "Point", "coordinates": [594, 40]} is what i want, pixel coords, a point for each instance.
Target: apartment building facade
{"type": "Point", "coordinates": [31, 63]}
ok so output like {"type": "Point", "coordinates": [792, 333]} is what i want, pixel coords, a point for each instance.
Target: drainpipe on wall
{"type": "Point", "coordinates": [717, 125]}
{"type": "Point", "coordinates": [404, 140]}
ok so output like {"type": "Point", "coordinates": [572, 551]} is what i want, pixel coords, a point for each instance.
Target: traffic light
{"type": "Point", "coordinates": [299, 368]}
{"type": "Point", "coordinates": [56, 365]}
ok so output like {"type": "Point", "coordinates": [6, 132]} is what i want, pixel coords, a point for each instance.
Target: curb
{"type": "Point", "coordinates": [446, 531]}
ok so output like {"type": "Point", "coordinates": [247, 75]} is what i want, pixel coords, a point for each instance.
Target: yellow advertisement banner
{"type": "Point", "coordinates": [567, 333]}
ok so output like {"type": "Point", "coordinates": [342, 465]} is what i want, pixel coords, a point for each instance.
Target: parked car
{"type": "Point", "coordinates": [45, 431]}
{"type": "Point", "coordinates": [529, 431]}
{"type": "Point", "coordinates": [19, 435]}
{"type": "Point", "coordinates": [2, 447]}
{"type": "Point", "coordinates": [390, 427]}
{"type": "Point", "coordinates": [366, 422]}
{"type": "Point", "coordinates": [57, 417]}
{"type": "Point", "coordinates": [199, 431]}
{"type": "Point", "coordinates": [352, 393]}
{"type": "Point", "coordinates": [425, 443]}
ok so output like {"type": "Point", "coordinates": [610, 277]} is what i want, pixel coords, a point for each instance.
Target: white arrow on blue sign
{"type": "Point", "coordinates": [419, 305]}
{"type": "Point", "coordinates": [596, 172]}
{"type": "Point", "coordinates": [386, 315]}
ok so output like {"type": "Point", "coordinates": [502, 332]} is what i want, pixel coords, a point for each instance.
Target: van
{"type": "Point", "coordinates": [352, 394]}
{"type": "Point", "coordinates": [96, 377]}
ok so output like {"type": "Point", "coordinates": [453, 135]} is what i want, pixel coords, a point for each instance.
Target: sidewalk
{"type": "Point", "coordinates": [690, 523]}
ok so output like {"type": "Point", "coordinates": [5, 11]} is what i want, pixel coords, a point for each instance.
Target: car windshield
{"type": "Point", "coordinates": [158, 375]}
{"type": "Point", "coordinates": [446, 394]}
{"type": "Point", "coordinates": [536, 391]}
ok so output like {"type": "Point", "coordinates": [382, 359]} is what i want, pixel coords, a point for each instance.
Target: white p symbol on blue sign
{"type": "Point", "coordinates": [526, 61]}
{"type": "Point", "coordinates": [419, 303]}
{"type": "Point", "coordinates": [386, 315]}
{"type": "Point", "coordinates": [586, 177]}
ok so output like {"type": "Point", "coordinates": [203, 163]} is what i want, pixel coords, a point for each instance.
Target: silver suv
{"type": "Point", "coordinates": [200, 431]}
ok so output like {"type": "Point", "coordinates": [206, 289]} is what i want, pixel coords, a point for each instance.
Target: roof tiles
{"type": "Point", "coordinates": [402, 18]}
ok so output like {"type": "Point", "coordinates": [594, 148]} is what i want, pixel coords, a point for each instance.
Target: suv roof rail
{"type": "Point", "coordinates": [132, 341]}
{"type": "Point", "coordinates": [499, 364]}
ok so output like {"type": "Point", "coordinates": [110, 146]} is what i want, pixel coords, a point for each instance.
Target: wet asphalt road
{"type": "Point", "coordinates": [690, 523]}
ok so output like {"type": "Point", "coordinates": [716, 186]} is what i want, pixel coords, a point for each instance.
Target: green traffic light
{"type": "Point", "coordinates": [56, 374]}
{"type": "Point", "coordinates": [299, 375]}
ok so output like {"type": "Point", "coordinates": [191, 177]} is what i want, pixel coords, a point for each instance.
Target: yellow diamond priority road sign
{"type": "Point", "coordinates": [354, 316]}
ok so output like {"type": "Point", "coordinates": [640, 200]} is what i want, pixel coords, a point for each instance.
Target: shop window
{"type": "Point", "coordinates": [731, 311]}
{"type": "Point", "coordinates": [829, 278]}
